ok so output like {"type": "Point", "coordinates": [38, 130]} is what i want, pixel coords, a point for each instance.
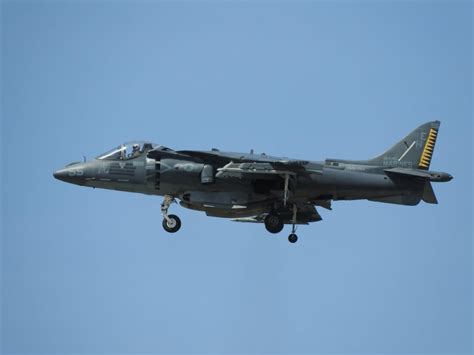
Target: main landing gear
{"type": "Point", "coordinates": [171, 222]}
{"type": "Point", "coordinates": [274, 224]}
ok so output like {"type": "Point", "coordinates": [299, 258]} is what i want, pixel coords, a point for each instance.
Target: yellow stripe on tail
{"type": "Point", "coordinates": [425, 158]}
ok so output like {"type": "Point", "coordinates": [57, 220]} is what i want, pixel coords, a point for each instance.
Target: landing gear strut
{"type": "Point", "coordinates": [171, 222]}
{"type": "Point", "coordinates": [293, 238]}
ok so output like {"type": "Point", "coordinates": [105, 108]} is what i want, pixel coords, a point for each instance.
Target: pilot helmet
{"type": "Point", "coordinates": [136, 146]}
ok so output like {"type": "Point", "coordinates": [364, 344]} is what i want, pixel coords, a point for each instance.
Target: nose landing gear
{"type": "Point", "coordinates": [171, 222]}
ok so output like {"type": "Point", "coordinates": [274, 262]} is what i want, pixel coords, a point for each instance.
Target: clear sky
{"type": "Point", "coordinates": [92, 271]}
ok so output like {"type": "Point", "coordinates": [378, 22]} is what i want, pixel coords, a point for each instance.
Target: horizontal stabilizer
{"type": "Point", "coordinates": [435, 176]}
{"type": "Point", "coordinates": [409, 172]}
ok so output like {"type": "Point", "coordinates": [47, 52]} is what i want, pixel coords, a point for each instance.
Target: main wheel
{"type": "Point", "coordinates": [173, 225]}
{"type": "Point", "coordinates": [273, 223]}
{"type": "Point", "coordinates": [292, 238]}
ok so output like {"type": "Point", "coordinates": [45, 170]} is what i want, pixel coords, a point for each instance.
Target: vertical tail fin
{"type": "Point", "coordinates": [413, 151]}
{"type": "Point", "coordinates": [428, 149]}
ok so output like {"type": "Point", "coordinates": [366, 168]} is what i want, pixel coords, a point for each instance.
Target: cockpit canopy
{"type": "Point", "coordinates": [129, 151]}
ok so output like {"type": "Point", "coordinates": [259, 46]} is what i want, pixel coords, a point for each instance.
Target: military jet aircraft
{"type": "Point", "coordinates": [260, 188]}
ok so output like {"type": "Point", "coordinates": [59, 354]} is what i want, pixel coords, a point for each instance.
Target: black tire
{"type": "Point", "coordinates": [292, 238]}
{"type": "Point", "coordinates": [273, 223]}
{"type": "Point", "coordinates": [174, 226]}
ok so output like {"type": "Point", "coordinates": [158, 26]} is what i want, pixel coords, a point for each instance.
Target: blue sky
{"type": "Point", "coordinates": [92, 271]}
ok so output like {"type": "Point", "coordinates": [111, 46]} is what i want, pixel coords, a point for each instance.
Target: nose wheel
{"type": "Point", "coordinates": [171, 222]}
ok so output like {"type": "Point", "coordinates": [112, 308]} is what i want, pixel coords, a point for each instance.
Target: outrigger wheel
{"type": "Point", "coordinates": [273, 223]}
{"type": "Point", "coordinates": [292, 238]}
{"type": "Point", "coordinates": [172, 223]}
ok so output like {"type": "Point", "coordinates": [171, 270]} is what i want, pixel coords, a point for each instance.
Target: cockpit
{"type": "Point", "coordinates": [128, 151]}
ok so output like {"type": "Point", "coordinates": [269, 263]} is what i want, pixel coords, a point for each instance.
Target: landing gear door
{"type": "Point", "coordinates": [207, 174]}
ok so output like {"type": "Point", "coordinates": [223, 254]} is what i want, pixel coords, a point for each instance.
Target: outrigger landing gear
{"type": "Point", "coordinates": [293, 238]}
{"type": "Point", "coordinates": [171, 222]}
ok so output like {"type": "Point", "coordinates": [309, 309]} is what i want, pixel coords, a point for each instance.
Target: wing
{"type": "Point", "coordinates": [305, 214]}
{"type": "Point", "coordinates": [213, 158]}
{"type": "Point", "coordinates": [264, 170]}
{"type": "Point", "coordinates": [167, 153]}
{"type": "Point", "coordinates": [253, 170]}
{"type": "Point", "coordinates": [238, 165]}
{"type": "Point", "coordinates": [223, 158]}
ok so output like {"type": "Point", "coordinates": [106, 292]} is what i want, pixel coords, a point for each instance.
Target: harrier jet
{"type": "Point", "coordinates": [260, 188]}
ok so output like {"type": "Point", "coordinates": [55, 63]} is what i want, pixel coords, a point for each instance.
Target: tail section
{"type": "Point", "coordinates": [413, 151]}
{"type": "Point", "coordinates": [406, 160]}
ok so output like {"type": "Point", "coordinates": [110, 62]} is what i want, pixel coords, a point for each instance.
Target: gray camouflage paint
{"type": "Point", "coordinates": [237, 185]}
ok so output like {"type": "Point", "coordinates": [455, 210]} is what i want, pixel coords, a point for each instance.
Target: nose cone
{"type": "Point", "coordinates": [61, 174]}
{"type": "Point", "coordinates": [72, 175]}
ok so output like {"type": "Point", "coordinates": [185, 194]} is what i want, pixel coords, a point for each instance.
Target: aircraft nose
{"type": "Point", "coordinates": [72, 175]}
{"type": "Point", "coordinates": [61, 174]}
{"type": "Point", "coordinates": [64, 175]}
